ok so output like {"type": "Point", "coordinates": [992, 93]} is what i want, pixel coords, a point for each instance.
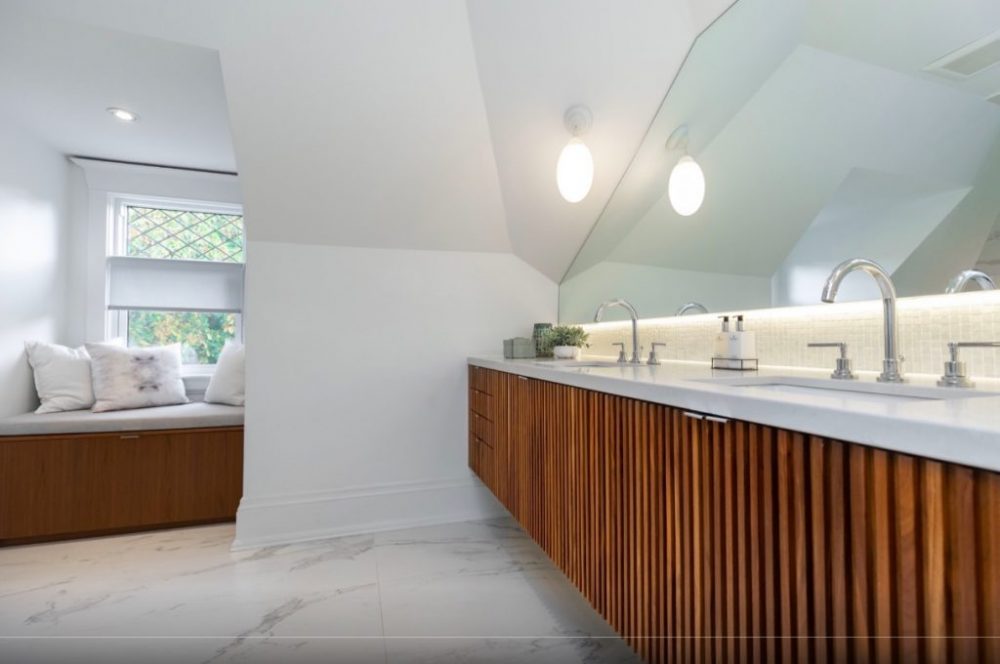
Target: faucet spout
{"type": "Point", "coordinates": [697, 307]}
{"type": "Point", "coordinates": [978, 277]}
{"type": "Point", "coordinates": [892, 362]}
{"type": "Point", "coordinates": [627, 306]}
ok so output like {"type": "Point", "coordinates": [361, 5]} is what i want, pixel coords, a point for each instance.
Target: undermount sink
{"type": "Point", "coordinates": [869, 392]}
{"type": "Point", "coordinates": [578, 364]}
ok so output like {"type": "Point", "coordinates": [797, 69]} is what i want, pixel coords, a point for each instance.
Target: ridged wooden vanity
{"type": "Point", "coordinates": [762, 544]}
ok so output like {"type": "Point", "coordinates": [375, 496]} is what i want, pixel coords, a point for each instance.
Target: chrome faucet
{"type": "Point", "coordinates": [691, 306]}
{"type": "Point", "coordinates": [978, 277]}
{"type": "Point", "coordinates": [624, 304]}
{"type": "Point", "coordinates": [892, 362]}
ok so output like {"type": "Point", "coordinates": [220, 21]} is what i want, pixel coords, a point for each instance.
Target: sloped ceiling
{"type": "Point", "coordinates": [425, 125]}
{"type": "Point", "coordinates": [58, 77]}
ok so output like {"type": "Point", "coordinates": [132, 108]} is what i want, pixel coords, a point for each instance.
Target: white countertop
{"type": "Point", "coordinates": [963, 430]}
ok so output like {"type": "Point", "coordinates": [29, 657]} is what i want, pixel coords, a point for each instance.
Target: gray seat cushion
{"type": "Point", "coordinates": [194, 415]}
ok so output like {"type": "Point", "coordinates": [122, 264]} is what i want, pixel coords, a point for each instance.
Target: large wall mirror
{"type": "Point", "coordinates": [825, 131]}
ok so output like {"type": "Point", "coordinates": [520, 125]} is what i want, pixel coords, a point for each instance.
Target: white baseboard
{"type": "Point", "coordinates": [271, 520]}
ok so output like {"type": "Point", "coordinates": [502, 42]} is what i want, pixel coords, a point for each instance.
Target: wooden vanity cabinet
{"type": "Point", "coordinates": [750, 543]}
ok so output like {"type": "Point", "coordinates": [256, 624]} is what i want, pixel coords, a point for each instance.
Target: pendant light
{"type": "Point", "coordinates": [686, 188]}
{"type": "Point", "coordinates": [575, 169]}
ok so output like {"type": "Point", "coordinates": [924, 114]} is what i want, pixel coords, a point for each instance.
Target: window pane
{"type": "Point", "coordinates": [201, 335]}
{"type": "Point", "coordinates": [182, 234]}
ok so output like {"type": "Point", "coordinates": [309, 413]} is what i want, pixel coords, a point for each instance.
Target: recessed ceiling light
{"type": "Point", "coordinates": [123, 115]}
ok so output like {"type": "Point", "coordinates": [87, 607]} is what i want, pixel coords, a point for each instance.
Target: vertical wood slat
{"type": "Point", "coordinates": [859, 567]}
{"type": "Point", "coordinates": [880, 530]}
{"type": "Point", "coordinates": [711, 532]}
{"type": "Point", "coordinates": [803, 627]}
{"type": "Point", "coordinates": [819, 544]}
{"type": "Point", "coordinates": [907, 626]}
{"type": "Point", "coordinates": [786, 563]}
{"type": "Point", "coordinates": [731, 504]}
{"type": "Point", "coordinates": [960, 552]}
{"type": "Point", "coordinates": [836, 497]}
{"type": "Point", "coordinates": [741, 502]}
{"type": "Point", "coordinates": [757, 626]}
{"type": "Point", "coordinates": [769, 558]}
{"type": "Point", "coordinates": [988, 524]}
{"type": "Point", "coordinates": [681, 542]}
{"type": "Point", "coordinates": [932, 561]}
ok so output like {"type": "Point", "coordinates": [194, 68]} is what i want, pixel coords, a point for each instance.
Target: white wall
{"type": "Point", "coordinates": [356, 383]}
{"type": "Point", "coordinates": [34, 240]}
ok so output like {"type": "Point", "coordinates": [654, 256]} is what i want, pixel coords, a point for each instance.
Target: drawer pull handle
{"type": "Point", "coordinates": [694, 416]}
{"type": "Point", "coordinates": [522, 378]}
{"type": "Point", "coordinates": [129, 437]}
{"type": "Point", "coordinates": [720, 420]}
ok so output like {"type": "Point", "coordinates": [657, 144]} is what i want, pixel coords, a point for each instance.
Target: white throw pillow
{"type": "Point", "coordinates": [62, 376]}
{"type": "Point", "coordinates": [126, 378]}
{"type": "Point", "coordinates": [227, 384]}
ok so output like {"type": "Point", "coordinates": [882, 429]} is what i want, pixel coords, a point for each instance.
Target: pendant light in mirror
{"type": "Point", "coordinates": [686, 188]}
{"type": "Point", "coordinates": [575, 169]}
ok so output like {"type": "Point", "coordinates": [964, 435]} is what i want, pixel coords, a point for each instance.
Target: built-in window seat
{"type": "Point", "coordinates": [194, 415]}
{"type": "Point", "coordinates": [78, 473]}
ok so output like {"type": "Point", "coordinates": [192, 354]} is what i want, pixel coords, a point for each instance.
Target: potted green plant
{"type": "Point", "coordinates": [566, 341]}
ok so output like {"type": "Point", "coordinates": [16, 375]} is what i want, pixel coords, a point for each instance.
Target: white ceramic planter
{"type": "Point", "coordinates": [566, 352]}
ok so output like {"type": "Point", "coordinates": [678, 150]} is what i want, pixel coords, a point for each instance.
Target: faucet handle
{"type": "Point", "coordinates": [621, 353]}
{"type": "Point", "coordinates": [843, 370]}
{"type": "Point", "coordinates": [954, 369]}
{"type": "Point", "coordinates": [653, 359]}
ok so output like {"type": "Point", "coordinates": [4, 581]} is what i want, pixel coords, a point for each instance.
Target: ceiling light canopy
{"type": "Point", "coordinates": [575, 169]}
{"type": "Point", "coordinates": [686, 188]}
{"type": "Point", "coordinates": [122, 114]}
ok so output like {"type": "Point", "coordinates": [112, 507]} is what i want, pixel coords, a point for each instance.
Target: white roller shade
{"type": "Point", "coordinates": [171, 285]}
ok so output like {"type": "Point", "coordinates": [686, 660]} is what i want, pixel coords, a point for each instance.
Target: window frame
{"type": "Point", "coordinates": [116, 321]}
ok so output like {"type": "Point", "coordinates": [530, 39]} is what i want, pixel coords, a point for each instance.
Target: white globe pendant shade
{"type": "Point", "coordinates": [687, 187]}
{"type": "Point", "coordinates": [575, 171]}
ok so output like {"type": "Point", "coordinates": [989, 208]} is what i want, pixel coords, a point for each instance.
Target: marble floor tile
{"type": "Point", "coordinates": [466, 592]}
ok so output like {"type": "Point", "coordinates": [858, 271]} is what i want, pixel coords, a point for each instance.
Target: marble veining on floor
{"type": "Point", "coordinates": [467, 592]}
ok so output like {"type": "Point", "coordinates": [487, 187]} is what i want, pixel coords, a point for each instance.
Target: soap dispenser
{"type": "Point", "coordinates": [722, 339]}
{"type": "Point", "coordinates": [742, 344]}
{"type": "Point", "coordinates": [735, 349]}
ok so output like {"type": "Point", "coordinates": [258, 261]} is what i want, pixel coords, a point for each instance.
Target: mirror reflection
{"type": "Point", "coordinates": [825, 131]}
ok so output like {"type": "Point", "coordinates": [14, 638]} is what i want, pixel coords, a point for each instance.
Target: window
{"type": "Point", "coordinates": [176, 276]}
{"type": "Point", "coordinates": [183, 234]}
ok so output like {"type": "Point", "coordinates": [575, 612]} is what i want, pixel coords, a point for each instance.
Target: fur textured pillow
{"type": "Point", "coordinates": [127, 378]}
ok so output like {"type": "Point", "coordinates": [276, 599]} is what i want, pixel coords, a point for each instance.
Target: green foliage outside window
{"type": "Point", "coordinates": [201, 335]}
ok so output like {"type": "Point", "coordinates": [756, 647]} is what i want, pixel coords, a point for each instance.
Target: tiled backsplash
{"type": "Point", "coordinates": [925, 326]}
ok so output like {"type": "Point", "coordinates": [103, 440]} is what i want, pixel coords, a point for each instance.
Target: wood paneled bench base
{"type": "Point", "coordinates": [65, 486]}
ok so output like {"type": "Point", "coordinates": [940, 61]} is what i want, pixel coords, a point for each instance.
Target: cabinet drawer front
{"type": "Point", "coordinates": [482, 428]}
{"type": "Point", "coordinates": [480, 379]}
{"type": "Point", "coordinates": [482, 403]}
{"type": "Point", "coordinates": [482, 461]}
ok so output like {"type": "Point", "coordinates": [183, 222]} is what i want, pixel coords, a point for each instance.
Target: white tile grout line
{"type": "Point", "coordinates": [378, 592]}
